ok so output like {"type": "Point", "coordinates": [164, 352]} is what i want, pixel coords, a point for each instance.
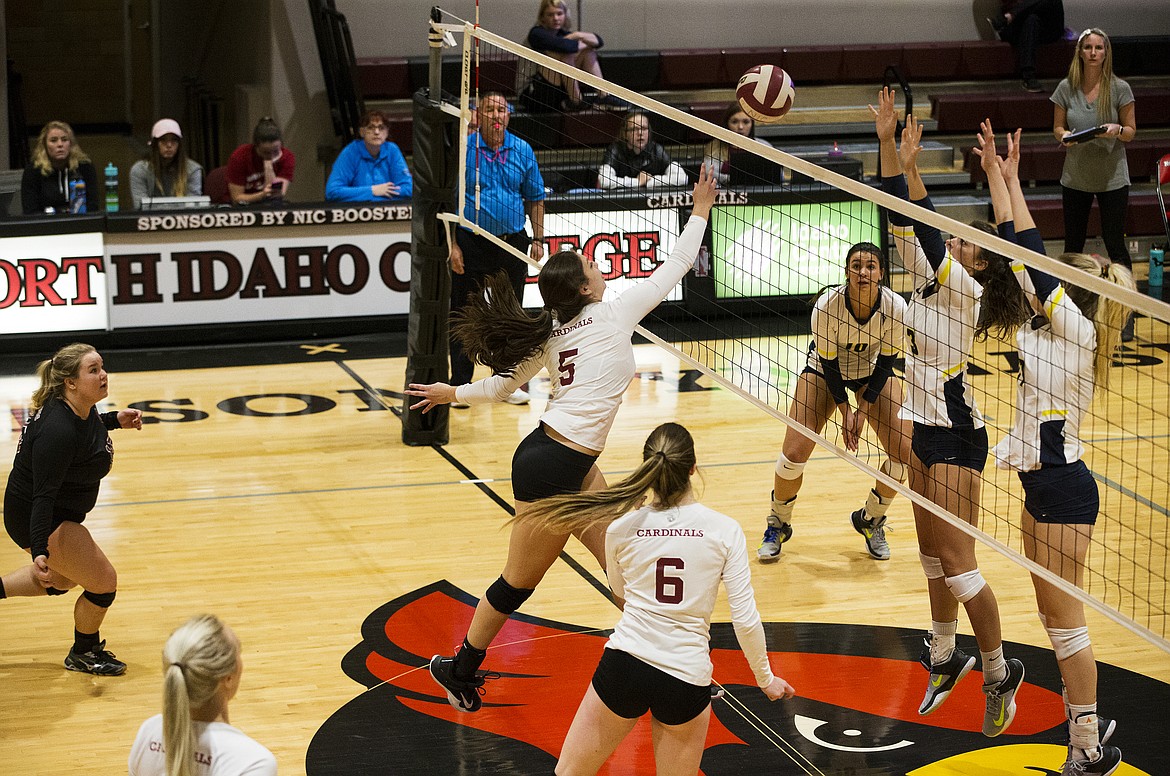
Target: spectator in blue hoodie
{"type": "Point", "coordinates": [371, 169]}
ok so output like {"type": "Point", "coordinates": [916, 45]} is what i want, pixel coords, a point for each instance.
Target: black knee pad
{"type": "Point", "coordinates": [55, 591]}
{"type": "Point", "coordinates": [504, 598]}
{"type": "Point", "coordinates": [100, 599]}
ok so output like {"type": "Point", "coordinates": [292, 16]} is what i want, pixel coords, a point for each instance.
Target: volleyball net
{"type": "Point", "coordinates": [778, 234]}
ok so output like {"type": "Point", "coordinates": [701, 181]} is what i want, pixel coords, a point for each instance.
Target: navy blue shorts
{"type": "Point", "coordinates": [543, 467]}
{"type": "Point", "coordinates": [1061, 493]}
{"type": "Point", "coordinates": [853, 385]}
{"type": "Point", "coordinates": [629, 688]}
{"type": "Point", "coordinates": [956, 446]}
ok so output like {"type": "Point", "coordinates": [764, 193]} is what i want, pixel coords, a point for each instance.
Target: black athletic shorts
{"type": "Point", "coordinates": [956, 446]}
{"type": "Point", "coordinates": [1061, 493]}
{"type": "Point", "coordinates": [629, 688]}
{"type": "Point", "coordinates": [18, 517]}
{"type": "Point", "coordinates": [543, 467]}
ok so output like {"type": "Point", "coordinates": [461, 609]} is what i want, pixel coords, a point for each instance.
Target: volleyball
{"type": "Point", "coordinates": [765, 93]}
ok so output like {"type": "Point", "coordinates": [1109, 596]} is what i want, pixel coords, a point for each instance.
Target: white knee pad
{"type": "Point", "coordinates": [1066, 642]}
{"type": "Point", "coordinates": [932, 566]}
{"type": "Point", "coordinates": [894, 470]}
{"type": "Point", "coordinates": [966, 586]}
{"type": "Point", "coordinates": [789, 470]}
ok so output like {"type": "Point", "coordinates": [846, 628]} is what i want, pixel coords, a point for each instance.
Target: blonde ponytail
{"type": "Point", "coordinates": [197, 657]}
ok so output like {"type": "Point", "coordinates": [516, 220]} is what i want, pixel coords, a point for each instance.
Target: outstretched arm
{"type": "Point", "coordinates": [1001, 200]}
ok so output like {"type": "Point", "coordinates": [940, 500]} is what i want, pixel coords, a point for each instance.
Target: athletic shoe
{"type": "Point", "coordinates": [1033, 86]}
{"type": "Point", "coordinates": [717, 692]}
{"type": "Point", "coordinates": [460, 405]}
{"type": "Point", "coordinates": [874, 533]}
{"type": "Point", "coordinates": [1104, 765]}
{"type": "Point", "coordinates": [1001, 700]}
{"type": "Point", "coordinates": [518, 397]}
{"type": "Point", "coordinates": [464, 696]}
{"type": "Point", "coordinates": [924, 653]}
{"type": "Point", "coordinates": [1105, 728]}
{"type": "Point", "coordinates": [774, 535]}
{"type": "Point", "coordinates": [943, 678]}
{"type": "Point", "coordinates": [97, 661]}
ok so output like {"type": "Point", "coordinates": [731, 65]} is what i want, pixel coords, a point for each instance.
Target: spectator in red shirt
{"type": "Point", "coordinates": [262, 170]}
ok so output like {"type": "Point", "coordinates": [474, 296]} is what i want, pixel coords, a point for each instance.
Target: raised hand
{"type": "Point", "coordinates": [1009, 165]}
{"type": "Point", "coordinates": [703, 195]}
{"type": "Point", "coordinates": [885, 120]}
{"type": "Point", "coordinates": [985, 149]}
{"type": "Point", "coordinates": [911, 143]}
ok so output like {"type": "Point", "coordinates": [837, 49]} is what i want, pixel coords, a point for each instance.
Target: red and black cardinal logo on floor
{"type": "Point", "coordinates": [857, 711]}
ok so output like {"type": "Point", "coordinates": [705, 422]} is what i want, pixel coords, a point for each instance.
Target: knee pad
{"type": "Point", "coordinates": [55, 591]}
{"type": "Point", "coordinates": [789, 470]}
{"type": "Point", "coordinates": [932, 566]}
{"type": "Point", "coordinates": [1066, 642]}
{"type": "Point", "coordinates": [967, 585]}
{"type": "Point", "coordinates": [504, 598]}
{"type": "Point", "coordinates": [894, 470]}
{"type": "Point", "coordinates": [100, 599]}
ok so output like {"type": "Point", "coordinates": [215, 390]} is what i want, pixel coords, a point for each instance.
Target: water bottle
{"type": "Point", "coordinates": [1157, 262]}
{"type": "Point", "coordinates": [111, 188]}
{"type": "Point", "coordinates": [77, 196]}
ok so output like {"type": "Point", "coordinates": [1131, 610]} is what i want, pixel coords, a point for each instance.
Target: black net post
{"type": "Point", "coordinates": [436, 167]}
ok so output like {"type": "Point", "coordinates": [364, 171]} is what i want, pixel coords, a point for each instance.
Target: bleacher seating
{"type": "Point", "coordinates": [391, 78]}
{"type": "Point", "coordinates": [958, 113]}
{"type": "Point", "coordinates": [682, 70]}
{"type": "Point", "coordinates": [1043, 162]}
{"type": "Point", "coordinates": [1141, 218]}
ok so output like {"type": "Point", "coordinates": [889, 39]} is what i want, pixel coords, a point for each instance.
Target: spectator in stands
{"type": "Point", "coordinates": [553, 36]}
{"type": "Point", "coordinates": [370, 169]}
{"type": "Point", "coordinates": [57, 160]}
{"type": "Point", "coordinates": [1026, 24]}
{"type": "Point", "coordinates": [1091, 96]}
{"type": "Point", "coordinates": [166, 171]}
{"type": "Point", "coordinates": [201, 675]}
{"type": "Point", "coordinates": [510, 188]}
{"type": "Point", "coordinates": [635, 160]}
{"type": "Point", "coordinates": [717, 154]}
{"type": "Point", "coordinates": [263, 169]}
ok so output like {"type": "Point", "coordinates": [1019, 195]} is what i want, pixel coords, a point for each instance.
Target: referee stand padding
{"type": "Point", "coordinates": [436, 170]}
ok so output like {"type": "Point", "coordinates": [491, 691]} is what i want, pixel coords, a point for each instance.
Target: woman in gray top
{"type": "Point", "coordinates": [1092, 97]}
{"type": "Point", "coordinates": [166, 171]}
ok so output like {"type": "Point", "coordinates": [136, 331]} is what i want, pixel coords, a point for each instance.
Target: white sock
{"type": "Point", "coordinates": [994, 666]}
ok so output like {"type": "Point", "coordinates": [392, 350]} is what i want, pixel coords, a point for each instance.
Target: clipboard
{"type": "Point", "coordinates": [1084, 134]}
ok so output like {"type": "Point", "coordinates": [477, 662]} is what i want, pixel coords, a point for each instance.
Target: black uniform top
{"type": "Point", "coordinates": [39, 191]}
{"type": "Point", "coordinates": [60, 460]}
{"type": "Point", "coordinates": [652, 159]}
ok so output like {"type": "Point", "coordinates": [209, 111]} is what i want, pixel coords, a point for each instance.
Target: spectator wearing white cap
{"type": "Point", "coordinates": [166, 171]}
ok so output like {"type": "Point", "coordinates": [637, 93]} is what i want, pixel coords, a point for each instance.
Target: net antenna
{"type": "Point", "coordinates": [1128, 572]}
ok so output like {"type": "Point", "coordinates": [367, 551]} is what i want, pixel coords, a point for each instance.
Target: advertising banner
{"type": "Point", "coordinates": [52, 283]}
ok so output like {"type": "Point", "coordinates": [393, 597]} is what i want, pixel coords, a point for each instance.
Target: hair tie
{"type": "Point", "coordinates": [662, 453]}
{"type": "Point", "coordinates": [180, 666]}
